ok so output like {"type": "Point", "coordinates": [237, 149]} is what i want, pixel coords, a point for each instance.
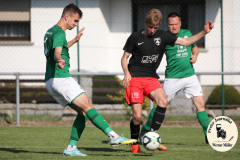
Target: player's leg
{"type": "Point", "coordinates": [135, 126]}
{"type": "Point", "coordinates": [136, 120]}
{"type": "Point", "coordinates": [134, 97]}
{"type": "Point", "coordinates": [160, 98]}
{"type": "Point", "coordinates": [97, 119]}
{"type": "Point", "coordinates": [68, 91]}
{"type": "Point", "coordinates": [201, 114]}
{"type": "Point", "coordinates": [77, 130]}
{"type": "Point", "coordinates": [193, 90]}
{"type": "Point", "coordinates": [154, 91]}
{"type": "Point", "coordinates": [56, 87]}
{"type": "Point", "coordinates": [171, 89]}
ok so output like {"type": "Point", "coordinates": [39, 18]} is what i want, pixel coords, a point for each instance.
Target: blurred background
{"type": "Point", "coordinates": [95, 62]}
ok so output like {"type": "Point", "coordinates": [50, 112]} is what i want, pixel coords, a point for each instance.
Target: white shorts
{"type": "Point", "coordinates": [190, 86]}
{"type": "Point", "coordinates": [64, 90]}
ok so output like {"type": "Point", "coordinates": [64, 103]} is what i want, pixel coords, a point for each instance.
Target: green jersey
{"type": "Point", "coordinates": [56, 37]}
{"type": "Point", "coordinates": [178, 58]}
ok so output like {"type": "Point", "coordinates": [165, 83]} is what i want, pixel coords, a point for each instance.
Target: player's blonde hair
{"type": "Point", "coordinates": [153, 17]}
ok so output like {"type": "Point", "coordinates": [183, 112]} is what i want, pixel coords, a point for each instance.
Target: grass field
{"type": "Point", "coordinates": [48, 143]}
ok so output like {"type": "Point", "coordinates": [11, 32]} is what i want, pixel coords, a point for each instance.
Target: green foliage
{"type": "Point", "coordinates": [111, 84]}
{"type": "Point", "coordinates": [231, 95]}
{"type": "Point", "coordinates": [106, 85]}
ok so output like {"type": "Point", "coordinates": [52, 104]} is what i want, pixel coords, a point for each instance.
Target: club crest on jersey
{"type": "Point", "coordinates": [157, 41]}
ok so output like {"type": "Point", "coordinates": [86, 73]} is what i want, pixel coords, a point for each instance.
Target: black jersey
{"type": "Point", "coordinates": [147, 52]}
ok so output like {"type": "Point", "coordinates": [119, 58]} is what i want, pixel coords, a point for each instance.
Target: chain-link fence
{"type": "Point", "coordinates": [108, 24]}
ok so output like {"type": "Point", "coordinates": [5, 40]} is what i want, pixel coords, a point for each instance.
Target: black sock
{"type": "Point", "coordinates": [135, 129]}
{"type": "Point", "coordinates": [158, 118]}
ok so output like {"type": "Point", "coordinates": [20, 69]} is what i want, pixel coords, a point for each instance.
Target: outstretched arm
{"type": "Point", "coordinates": [189, 41]}
{"type": "Point", "coordinates": [127, 75]}
{"type": "Point", "coordinates": [195, 53]}
{"type": "Point", "coordinates": [76, 39]}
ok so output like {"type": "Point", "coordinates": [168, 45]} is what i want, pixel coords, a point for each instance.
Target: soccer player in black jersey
{"type": "Point", "coordinates": [146, 48]}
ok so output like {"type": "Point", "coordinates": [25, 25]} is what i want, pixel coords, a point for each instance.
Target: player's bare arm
{"type": "Point", "coordinates": [127, 75]}
{"type": "Point", "coordinates": [58, 58]}
{"type": "Point", "coordinates": [195, 53]}
{"type": "Point", "coordinates": [76, 39]}
{"type": "Point", "coordinates": [189, 41]}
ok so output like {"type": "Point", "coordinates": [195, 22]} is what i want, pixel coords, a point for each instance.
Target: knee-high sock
{"type": "Point", "coordinates": [77, 129]}
{"type": "Point", "coordinates": [135, 129]}
{"type": "Point", "coordinates": [203, 120]}
{"type": "Point", "coordinates": [148, 124]}
{"type": "Point", "coordinates": [158, 118]}
{"type": "Point", "coordinates": [98, 120]}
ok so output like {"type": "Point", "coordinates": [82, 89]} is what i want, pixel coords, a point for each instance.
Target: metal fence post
{"type": "Point", "coordinates": [17, 99]}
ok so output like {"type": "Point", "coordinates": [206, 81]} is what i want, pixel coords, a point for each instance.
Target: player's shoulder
{"type": "Point", "coordinates": [136, 34]}
{"type": "Point", "coordinates": [162, 32]}
{"type": "Point", "coordinates": [185, 31]}
{"type": "Point", "coordinates": [56, 30]}
{"type": "Point", "coordinates": [59, 29]}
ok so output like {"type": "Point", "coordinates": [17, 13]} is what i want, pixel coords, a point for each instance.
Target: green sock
{"type": "Point", "coordinates": [98, 120]}
{"type": "Point", "coordinates": [203, 120]}
{"type": "Point", "coordinates": [77, 129]}
{"type": "Point", "coordinates": [148, 124]}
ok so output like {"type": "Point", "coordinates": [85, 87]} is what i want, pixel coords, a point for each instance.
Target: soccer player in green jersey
{"type": "Point", "coordinates": [180, 73]}
{"type": "Point", "coordinates": [64, 88]}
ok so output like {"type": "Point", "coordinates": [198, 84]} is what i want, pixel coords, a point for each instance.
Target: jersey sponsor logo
{"type": "Point", "coordinates": [135, 95]}
{"type": "Point", "coordinates": [140, 43]}
{"type": "Point", "coordinates": [181, 51]}
{"type": "Point", "coordinates": [157, 41]}
{"type": "Point", "coordinates": [150, 59]}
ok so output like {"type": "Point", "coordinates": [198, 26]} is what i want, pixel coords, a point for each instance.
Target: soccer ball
{"type": "Point", "coordinates": [151, 140]}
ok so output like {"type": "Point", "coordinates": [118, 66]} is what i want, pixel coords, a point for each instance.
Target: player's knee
{"type": "Point", "coordinates": [163, 103]}
{"type": "Point", "coordinates": [137, 119]}
{"type": "Point", "coordinates": [200, 106]}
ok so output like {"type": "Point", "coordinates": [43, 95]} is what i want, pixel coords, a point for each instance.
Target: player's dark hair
{"type": "Point", "coordinates": [174, 14]}
{"type": "Point", "coordinates": [72, 9]}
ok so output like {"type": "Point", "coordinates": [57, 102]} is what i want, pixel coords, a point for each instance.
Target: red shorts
{"type": "Point", "coordinates": [140, 87]}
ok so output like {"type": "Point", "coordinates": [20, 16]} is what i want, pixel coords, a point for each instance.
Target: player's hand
{"type": "Point", "coordinates": [61, 63]}
{"type": "Point", "coordinates": [126, 80]}
{"type": "Point", "coordinates": [193, 59]}
{"type": "Point", "coordinates": [79, 35]}
{"type": "Point", "coordinates": [208, 26]}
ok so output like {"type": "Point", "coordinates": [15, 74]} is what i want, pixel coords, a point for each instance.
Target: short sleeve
{"type": "Point", "coordinates": [129, 46]}
{"type": "Point", "coordinates": [170, 39]}
{"type": "Point", "coordinates": [58, 39]}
